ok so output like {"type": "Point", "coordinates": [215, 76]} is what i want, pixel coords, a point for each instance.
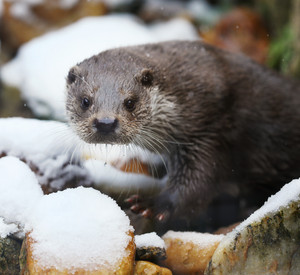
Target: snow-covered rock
{"type": "Point", "coordinates": [74, 229]}
{"type": "Point", "coordinates": [189, 252]}
{"type": "Point", "coordinates": [265, 243]}
{"type": "Point", "coordinates": [150, 247]}
{"type": "Point", "coordinates": [149, 239]}
{"type": "Point", "coordinates": [79, 229]}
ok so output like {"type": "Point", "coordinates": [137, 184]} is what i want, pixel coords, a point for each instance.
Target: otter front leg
{"type": "Point", "coordinates": [189, 189]}
{"type": "Point", "coordinates": [159, 207]}
{"type": "Point", "coordinates": [186, 194]}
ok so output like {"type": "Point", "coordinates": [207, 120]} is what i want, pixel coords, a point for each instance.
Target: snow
{"type": "Point", "coordinates": [40, 139]}
{"type": "Point", "coordinates": [288, 193]}
{"type": "Point", "coordinates": [7, 229]}
{"type": "Point", "coordinates": [41, 65]}
{"type": "Point", "coordinates": [50, 145]}
{"type": "Point", "coordinates": [71, 229]}
{"type": "Point", "coordinates": [19, 190]}
{"type": "Point", "coordinates": [149, 240]}
{"type": "Point", "coordinates": [202, 240]}
{"type": "Point", "coordinates": [90, 230]}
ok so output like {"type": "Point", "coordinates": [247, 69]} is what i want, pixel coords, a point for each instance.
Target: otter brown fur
{"type": "Point", "coordinates": [222, 121]}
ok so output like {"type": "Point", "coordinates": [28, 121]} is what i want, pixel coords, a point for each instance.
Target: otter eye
{"type": "Point", "coordinates": [129, 104]}
{"type": "Point", "coordinates": [147, 78]}
{"type": "Point", "coordinates": [85, 103]}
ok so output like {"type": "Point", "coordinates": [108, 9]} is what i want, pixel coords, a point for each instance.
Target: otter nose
{"type": "Point", "coordinates": [105, 125]}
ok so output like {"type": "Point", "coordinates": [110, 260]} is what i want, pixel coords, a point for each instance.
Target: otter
{"type": "Point", "coordinates": [223, 122]}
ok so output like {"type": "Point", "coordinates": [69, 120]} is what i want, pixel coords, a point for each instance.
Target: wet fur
{"type": "Point", "coordinates": [225, 123]}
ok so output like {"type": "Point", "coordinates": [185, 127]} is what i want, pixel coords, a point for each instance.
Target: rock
{"type": "Point", "coordinates": [150, 253]}
{"type": "Point", "coordinates": [189, 252]}
{"type": "Point", "coordinates": [268, 242]}
{"type": "Point", "coordinates": [9, 255]}
{"type": "Point", "coordinates": [30, 266]}
{"type": "Point", "coordinates": [147, 268]}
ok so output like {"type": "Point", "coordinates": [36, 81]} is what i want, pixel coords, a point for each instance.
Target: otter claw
{"type": "Point", "coordinates": [162, 217]}
{"type": "Point", "coordinates": [147, 213]}
{"type": "Point", "coordinates": [136, 208]}
{"type": "Point", "coordinates": [132, 199]}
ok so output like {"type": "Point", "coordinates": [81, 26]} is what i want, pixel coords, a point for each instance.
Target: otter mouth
{"type": "Point", "coordinates": [112, 139]}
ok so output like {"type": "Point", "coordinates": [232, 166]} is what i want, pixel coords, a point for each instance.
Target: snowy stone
{"type": "Point", "coordinates": [265, 243]}
{"type": "Point", "coordinates": [189, 252]}
{"type": "Point", "coordinates": [288, 193]}
{"type": "Point", "coordinates": [149, 239]}
{"type": "Point", "coordinates": [78, 229]}
{"type": "Point", "coordinates": [40, 74]}
{"type": "Point", "coordinates": [150, 247]}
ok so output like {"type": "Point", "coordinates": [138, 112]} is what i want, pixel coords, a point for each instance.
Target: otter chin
{"type": "Point", "coordinates": [224, 123]}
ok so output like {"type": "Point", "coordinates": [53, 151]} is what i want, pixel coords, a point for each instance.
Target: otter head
{"type": "Point", "coordinates": [108, 98]}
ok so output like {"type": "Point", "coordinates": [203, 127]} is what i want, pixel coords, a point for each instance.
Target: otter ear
{"type": "Point", "coordinates": [72, 75]}
{"type": "Point", "coordinates": [146, 77]}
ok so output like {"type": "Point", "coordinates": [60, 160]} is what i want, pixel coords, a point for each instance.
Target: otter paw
{"type": "Point", "coordinates": [139, 205]}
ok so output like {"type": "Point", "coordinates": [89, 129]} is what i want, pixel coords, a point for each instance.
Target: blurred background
{"type": "Point", "coordinates": [265, 30]}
